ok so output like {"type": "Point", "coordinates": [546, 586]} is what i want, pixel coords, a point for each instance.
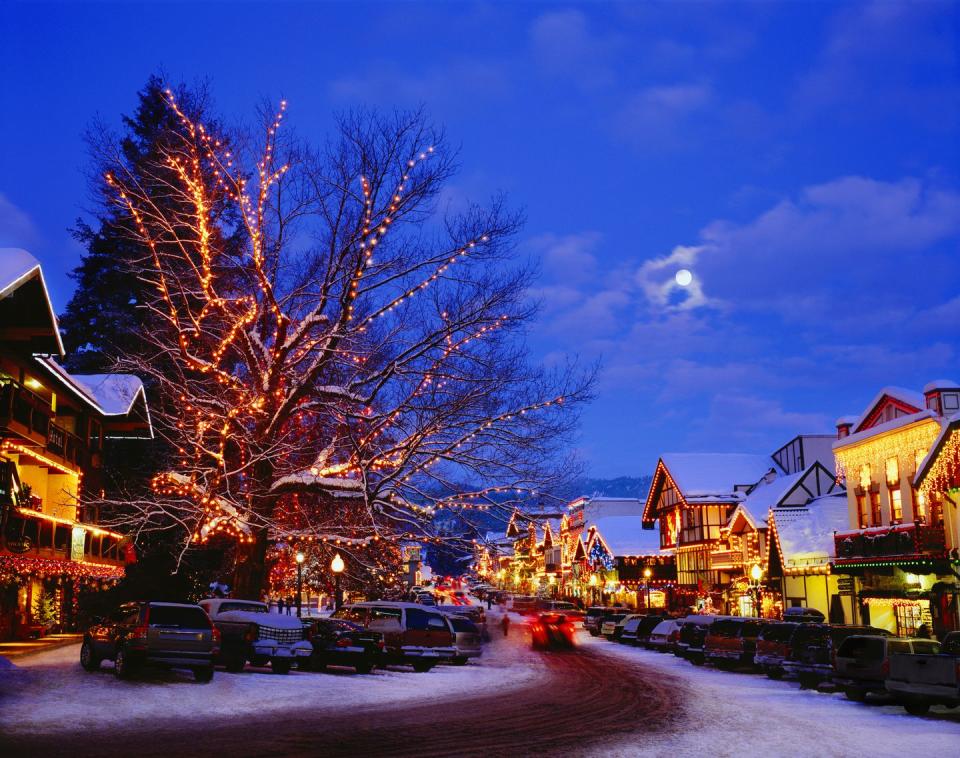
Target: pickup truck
{"type": "Point", "coordinates": [249, 632]}
{"type": "Point", "coordinates": [919, 681]}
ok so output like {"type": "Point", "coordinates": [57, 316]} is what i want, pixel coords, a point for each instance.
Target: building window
{"type": "Point", "coordinates": [862, 507]}
{"type": "Point", "coordinates": [893, 490]}
{"type": "Point", "coordinates": [875, 509]}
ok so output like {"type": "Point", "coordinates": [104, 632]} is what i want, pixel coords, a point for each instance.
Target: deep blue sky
{"type": "Point", "coordinates": [801, 159]}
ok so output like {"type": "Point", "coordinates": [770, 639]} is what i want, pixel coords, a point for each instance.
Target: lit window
{"type": "Point", "coordinates": [865, 476]}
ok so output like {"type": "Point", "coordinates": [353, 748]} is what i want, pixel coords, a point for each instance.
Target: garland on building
{"type": "Point", "coordinates": [944, 472]}
{"type": "Point", "coordinates": [14, 568]}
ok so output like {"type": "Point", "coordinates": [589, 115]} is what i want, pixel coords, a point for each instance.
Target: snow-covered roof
{"type": "Point", "coordinates": [767, 495]}
{"type": "Point", "coordinates": [705, 477]}
{"type": "Point", "coordinates": [805, 535]}
{"type": "Point", "coordinates": [17, 267]}
{"type": "Point", "coordinates": [887, 426]}
{"type": "Point", "coordinates": [940, 384]}
{"type": "Point", "coordinates": [847, 420]}
{"type": "Point", "coordinates": [947, 426]}
{"type": "Point", "coordinates": [110, 394]}
{"type": "Point", "coordinates": [910, 397]}
{"type": "Point", "coordinates": [624, 535]}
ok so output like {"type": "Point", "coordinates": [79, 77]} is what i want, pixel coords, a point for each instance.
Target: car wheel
{"type": "Point", "coordinates": [121, 666]}
{"type": "Point", "coordinates": [422, 666]}
{"type": "Point", "coordinates": [203, 674]}
{"type": "Point", "coordinates": [857, 696]}
{"type": "Point", "coordinates": [917, 709]}
{"type": "Point", "coordinates": [363, 668]}
{"type": "Point", "coordinates": [305, 664]}
{"type": "Point", "coordinates": [459, 661]}
{"type": "Point", "coordinates": [88, 659]}
{"type": "Point", "coordinates": [808, 682]}
{"type": "Point", "coordinates": [280, 665]}
{"type": "Point", "coordinates": [235, 663]}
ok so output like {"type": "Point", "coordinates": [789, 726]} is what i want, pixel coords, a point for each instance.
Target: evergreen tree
{"type": "Point", "coordinates": [106, 318]}
{"type": "Point", "coordinates": [45, 607]}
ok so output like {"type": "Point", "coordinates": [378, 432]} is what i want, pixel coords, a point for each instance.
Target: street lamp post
{"type": "Point", "coordinates": [756, 573]}
{"type": "Point", "coordinates": [300, 559]}
{"type": "Point", "coordinates": [337, 566]}
{"type": "Point", "coordinates": [593, 589]}
{"type": "Point", "coordinates": [647, 573]}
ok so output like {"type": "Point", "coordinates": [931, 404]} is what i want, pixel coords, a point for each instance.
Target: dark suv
{"type": "Point", "coordinates": [813, 648]}
{"type": "Point", "coordinates": [733, 641]}
{"type": "Point", "coordinates": [174, 635]}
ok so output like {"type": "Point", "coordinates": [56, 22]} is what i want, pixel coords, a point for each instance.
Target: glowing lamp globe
{"type": "Point", "coordinates": [647, 573]}
{"type": "Point", "coordinates": [683, 277]}
{"type": "Point", "coordinates": [756, 572]}
{"type": "Point", "coordinates": [300, 557]}
{"type": "Point", "coordinates": [337, 565]}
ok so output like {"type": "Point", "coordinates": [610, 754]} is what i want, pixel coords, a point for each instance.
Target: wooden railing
{"type": "Point", "coordinates": [891, 541]}
{"type": "Point", "coordinates": [32, 414]}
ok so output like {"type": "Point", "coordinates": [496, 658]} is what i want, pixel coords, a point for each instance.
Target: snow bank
{"type": "Point", "coordinates": [733, 714]}
{"type": "Point", "coordinates": [49, 692]}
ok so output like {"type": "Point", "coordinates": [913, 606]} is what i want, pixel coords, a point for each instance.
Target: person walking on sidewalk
{"type": "Point", "coordinates": [505, 623]}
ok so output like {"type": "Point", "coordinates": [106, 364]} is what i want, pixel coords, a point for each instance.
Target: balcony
{"type": "Point", "coordinates": [28, 416]}
{"type": "Point", "coordinates": [891, 542]}
{"type": "Point", "coordinates": [32, 534]}
{"type": "Point", "coordinates": [724, 560]}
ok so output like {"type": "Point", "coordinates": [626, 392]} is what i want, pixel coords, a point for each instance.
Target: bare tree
{"type": "Point", "coordinates": [356, 364]}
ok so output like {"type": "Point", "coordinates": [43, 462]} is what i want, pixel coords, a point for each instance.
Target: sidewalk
{"type": "Point", "coordinates": [51, 641]}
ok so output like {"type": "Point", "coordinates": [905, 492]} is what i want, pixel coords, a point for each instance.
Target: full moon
{"type": "Point", "coordinates": [683, 277]}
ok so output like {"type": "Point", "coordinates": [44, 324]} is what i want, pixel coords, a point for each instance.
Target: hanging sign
{"type": "Point", "coordinates": [77, 540]}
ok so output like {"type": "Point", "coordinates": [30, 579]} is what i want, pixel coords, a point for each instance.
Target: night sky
{"type": "Point", "coordinates": [800, 159]}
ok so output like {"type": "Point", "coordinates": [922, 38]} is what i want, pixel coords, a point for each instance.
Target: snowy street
{"type": "Point", "coordinates": [602, 699]}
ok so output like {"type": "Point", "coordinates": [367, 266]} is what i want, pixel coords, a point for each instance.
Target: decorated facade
{"type": "Point", "coordinates": [900, 545]}
{"type": "Point", "coordinates": [712, 510]}
{"type": "Point", "coordinates": [53, 430]}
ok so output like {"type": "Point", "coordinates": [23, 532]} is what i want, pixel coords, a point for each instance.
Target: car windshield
{"type": "Point", "coordinates": [724, 628]}
{"type": "Point", "coordinates": [182, 616]}
{"type": "Point", "coordinates": [243, 606]}
{"type": "Point", "coordinates": [808, 634]}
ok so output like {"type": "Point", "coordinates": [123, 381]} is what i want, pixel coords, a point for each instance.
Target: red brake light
{"type": "Point", "coordinates": [885, 668]}
{"type": "Point", "coordinates": [345, 642]}
{"type": "Point", "coordinates": [216, 635]}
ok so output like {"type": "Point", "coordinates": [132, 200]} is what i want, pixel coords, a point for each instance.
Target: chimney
{"type": "Point", "coordinates": [942, 397]}
{"type": "Point", "coordinates": [844, 425]}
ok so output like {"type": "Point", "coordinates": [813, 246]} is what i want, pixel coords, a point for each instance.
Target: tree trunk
{"type": "Point", "coordinates": [250, 573]}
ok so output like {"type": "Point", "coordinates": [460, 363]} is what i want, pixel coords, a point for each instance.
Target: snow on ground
{"type": "Point", "coordinates": [49, 691]}
{"type": "Point", "coordinates": [741, 714]}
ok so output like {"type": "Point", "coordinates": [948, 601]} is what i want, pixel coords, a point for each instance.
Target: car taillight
{"type": "Point", "coordinates": [216, 635]}
{"type": "Point", "coordinates": [251, 634]}
{"type": "Point", "coordinates": [885, 668]}
{"type": "Point", "coordinates": [140, 632]}
{"type": "Point", "coordinates": [344, 642]}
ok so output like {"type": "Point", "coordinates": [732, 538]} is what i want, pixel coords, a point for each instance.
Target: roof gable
{"type": "Point", "coordinates": [888, 404]}
{"type": "Point", "coordinates": [26, 312]}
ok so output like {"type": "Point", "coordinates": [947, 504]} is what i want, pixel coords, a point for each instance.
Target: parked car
{"type": "Point", "coordinates": [803, 615]}
{"type": "Point", "coordinates": [174, 635]}
{"type": "Point", "coordinates": [693, 632]}
{"type": "Point", "coordinates": [773, 647]}
{"type": "Point", "coordinates": [812, 649]}
{"type": "Point", "coordinates": [595, 616]}
{"type": "Point", "coordinates": [568, 609]}
{"type": "Point", "coordinates": [611, 622]}
{"type": "Point", "coordinates": [862, 662]}
{"type": "Point", "coordinates": [524, 604]}
{"type": "Point", "coordinates": [473, 612]}
{"type": "Point", "coordinates": [647, 625]}
{"type": "Point", "coordinates": [731, 641]}
{"type": "Point", "coordinates": [467, 639]}
{"type": "Point", "coordinates": [664, 635]}
{"type": "Point", "coordinates": [412, 634]}
{"type": "Point", "coordinates": [550, 631]}
{"type": "Point", "coordinates": [250, 633]}
{"type": "Point", "coordinates": [629, 624]}
{"type": "Point", "coordinates": [336, 642]}
{"type": "Point", "coordinates": [919, 681]}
